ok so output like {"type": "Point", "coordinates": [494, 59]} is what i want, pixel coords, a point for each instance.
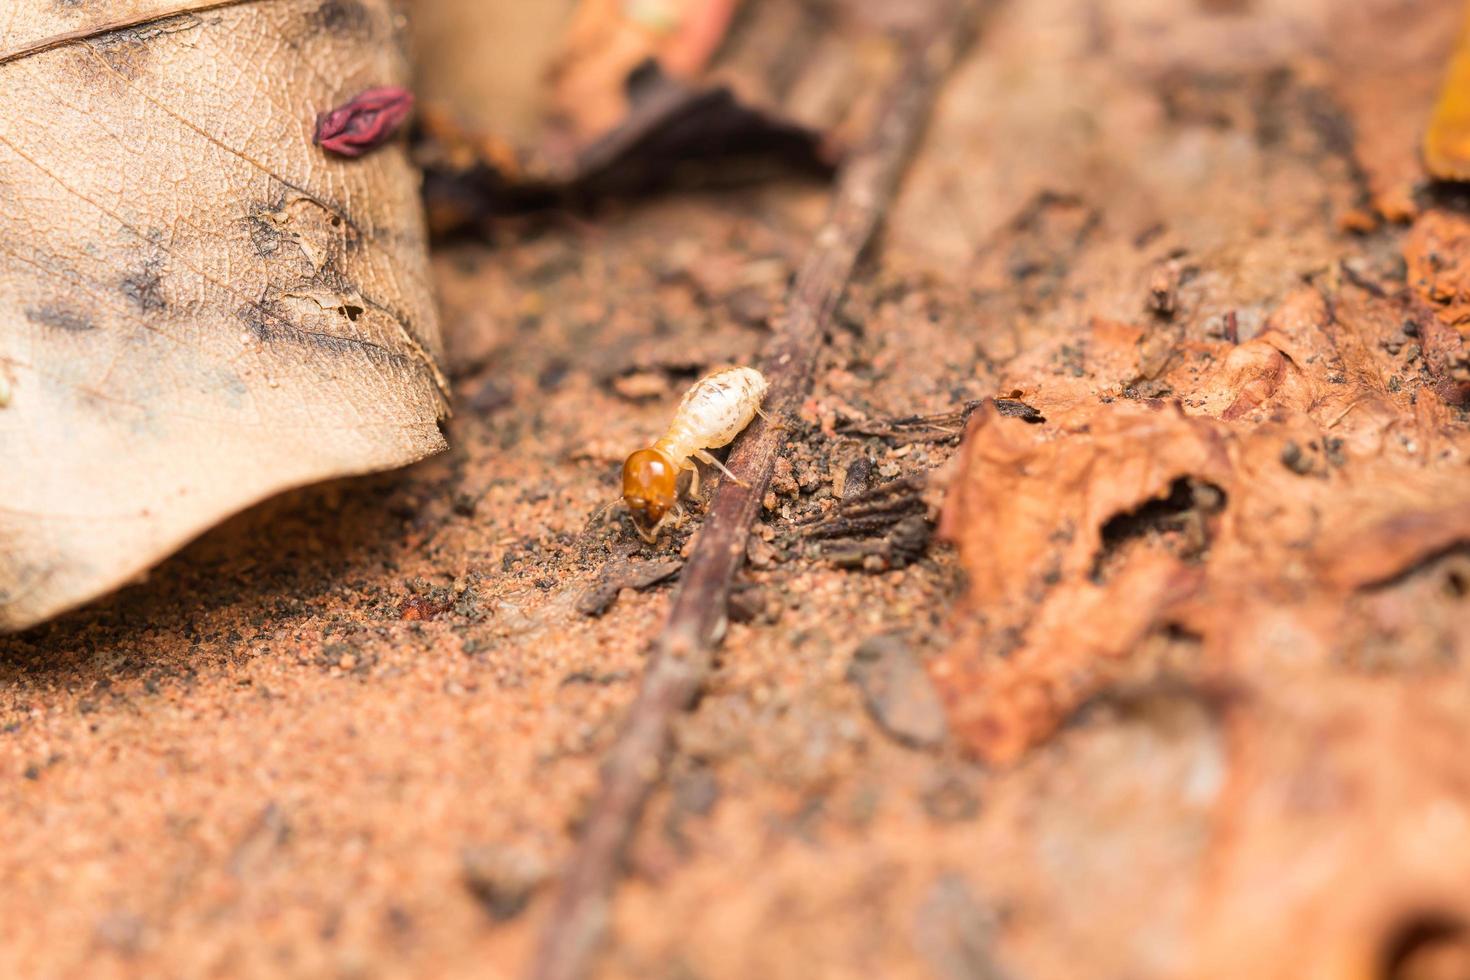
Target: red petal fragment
{"type": "Point", "coordinates": [364, 123]}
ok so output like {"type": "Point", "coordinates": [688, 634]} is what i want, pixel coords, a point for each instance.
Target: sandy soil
{"type": "Point", "coordinates": [353, 731]}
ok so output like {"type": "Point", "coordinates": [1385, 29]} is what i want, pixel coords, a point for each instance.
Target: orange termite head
{"type": "Point", "coordinates": [650, 489]}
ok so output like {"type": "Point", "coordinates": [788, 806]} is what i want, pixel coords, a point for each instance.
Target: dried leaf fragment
{"type": "Point", "coordinates": [1124, 535]}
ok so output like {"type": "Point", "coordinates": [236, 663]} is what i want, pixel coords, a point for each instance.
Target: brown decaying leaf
{"type": "Point", "coordinates": [1294, 480]}
{"type": "Point", "coordinates": [1249, 498]}
{"type": "Point", "coordinates": [198, 308]}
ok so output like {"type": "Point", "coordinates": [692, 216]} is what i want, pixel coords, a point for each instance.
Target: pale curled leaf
{"type": "Point", "coordinates": [198, 308]}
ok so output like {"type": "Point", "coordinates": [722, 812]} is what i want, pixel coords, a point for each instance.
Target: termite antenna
{"type": "Point", "coordinates": [599, 516]}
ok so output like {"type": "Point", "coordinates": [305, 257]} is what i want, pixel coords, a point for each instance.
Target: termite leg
{"type": "Point", "coordinates": [772, 422]}
{"type": "Point", "coordinates": [599, 516]}
{"type": "Point", "coordinates": [705, 457]}
{"type": "Point", "coordinates": [693, 480]}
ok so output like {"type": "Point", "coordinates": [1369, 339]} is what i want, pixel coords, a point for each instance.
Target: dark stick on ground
{"type": "Point", "coordinates": [681, 657]}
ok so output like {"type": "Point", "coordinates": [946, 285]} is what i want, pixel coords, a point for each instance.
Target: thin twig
{"type": "Point", "coordinates": [681, 657]}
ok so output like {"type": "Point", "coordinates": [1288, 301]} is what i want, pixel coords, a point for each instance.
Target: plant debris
{"type": "Point", "coordinates": [879, 529]}
{"type": "Point", "coordinates": [674, 131]}
{"type": "Point", "coordinates": [705, 99]}
{"type": "Point", "coordinates": [624, 574]}
{"type": "Point", "coordinates": [941, 427]}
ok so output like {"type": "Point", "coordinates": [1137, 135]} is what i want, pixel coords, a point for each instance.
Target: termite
{"type": "Point", "coordinates": [713, 412]}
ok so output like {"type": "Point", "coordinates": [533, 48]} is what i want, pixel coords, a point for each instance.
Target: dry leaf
{"type": "Point", "coordinates": [1296, 482]}
{"type": "Point", "coordinates": [1248, 504]}
{"type": "Point", "coordinates": [1341, 845]}
{"type": "Point", "coordinates": [198, 308]}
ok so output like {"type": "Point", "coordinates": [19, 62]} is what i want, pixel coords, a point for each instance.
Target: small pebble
{"type": "Point", "coordinates": [855, 479]}
{"type": "Point", "coordinates": [502, 878]}
{"type": "Point", "coordinates": [760, 553]}
{"type": "Point", "coordinates": [897, 691]}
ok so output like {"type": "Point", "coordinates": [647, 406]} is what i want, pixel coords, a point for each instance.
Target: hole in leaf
{"type": "Point", "coordinates": [1177, 520]}
{"type": "Point", "coordinates": [1427, 947]}
{"type": "Point", "coordinates": [1456, 582]}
